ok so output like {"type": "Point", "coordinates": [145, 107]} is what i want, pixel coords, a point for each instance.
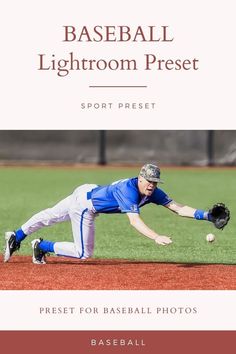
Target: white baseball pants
{"type": "Point", "coordinates": [79, 210]}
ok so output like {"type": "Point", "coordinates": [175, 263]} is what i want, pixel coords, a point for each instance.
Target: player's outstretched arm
{"type": "Point", "coordinates": [219, 214]}
{"type": "Point", "coordinates": [140, 226]}
{"type": "Point", "coordinates": [187, 211]}
{"type": "Point", "coordinates": [182, 210]}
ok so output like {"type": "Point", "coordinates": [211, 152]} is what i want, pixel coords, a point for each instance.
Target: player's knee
{"type": "Point", "coordinates": [85, 257]}
{"type": "Point", "coordinates": [86, 252]}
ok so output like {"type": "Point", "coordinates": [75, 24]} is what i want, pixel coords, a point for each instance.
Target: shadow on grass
{"type": "Point", "coordinates": [107, 262]}
{"type": "Point", "coordinates": [115, 262]}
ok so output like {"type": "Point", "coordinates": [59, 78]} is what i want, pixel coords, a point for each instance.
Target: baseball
{"type": "Point", "coordinates": [210, 237]}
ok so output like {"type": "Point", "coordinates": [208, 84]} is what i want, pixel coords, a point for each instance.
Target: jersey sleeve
{"type": "Point", "coordinates": [127, 198]}
{"type": "Point", "coordinates": [159, 197]}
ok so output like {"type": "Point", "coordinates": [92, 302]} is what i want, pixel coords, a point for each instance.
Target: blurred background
{"type": "Point", "coordinates": [127, 147]}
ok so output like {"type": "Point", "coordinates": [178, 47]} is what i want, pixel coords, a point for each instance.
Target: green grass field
{"type": "Point", "coordinates": [25, 191]}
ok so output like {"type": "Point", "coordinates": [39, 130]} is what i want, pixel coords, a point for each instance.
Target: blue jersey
{"type": "Point", "coordinates": [124, 197]}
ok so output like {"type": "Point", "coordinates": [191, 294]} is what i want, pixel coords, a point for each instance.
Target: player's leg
{"type": "Point", "coordinates": [82, 221]}
{"type": "Point", "coordinates": [81, 248]}
{"type": "Point", "coordinates": [47, 217]}
{"type": "Point", "coordinates": [58, 213]}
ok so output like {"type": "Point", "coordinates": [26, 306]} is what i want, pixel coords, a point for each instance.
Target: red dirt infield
{"type": "Point", "coordinates": [113, 274]}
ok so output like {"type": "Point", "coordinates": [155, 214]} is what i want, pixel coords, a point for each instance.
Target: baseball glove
{"type": "Point", "coordinates": [219, 215]}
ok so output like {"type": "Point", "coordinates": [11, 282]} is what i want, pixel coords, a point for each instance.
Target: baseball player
{"type": "Point", "coordinates": [125, 196]}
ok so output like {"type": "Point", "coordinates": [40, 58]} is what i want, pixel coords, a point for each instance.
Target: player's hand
{"type": "Point", "coordinates": [163, 240]}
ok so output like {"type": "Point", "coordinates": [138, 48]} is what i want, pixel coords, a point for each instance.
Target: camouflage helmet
{"type": "Point", "coordinates": [151, 173]}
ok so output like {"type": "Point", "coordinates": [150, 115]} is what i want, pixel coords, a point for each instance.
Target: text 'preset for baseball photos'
{"type": "Point", "coordinates": [125, 310]}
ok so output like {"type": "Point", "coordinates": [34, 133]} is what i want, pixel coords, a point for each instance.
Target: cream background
{"type": "Point", "coordinates": [20, 310]}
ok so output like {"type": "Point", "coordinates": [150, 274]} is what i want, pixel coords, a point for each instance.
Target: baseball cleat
{"type": "Point", "coordinates": [38, 254]}
{"type": "Point", "coordinates": [11, 245]}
